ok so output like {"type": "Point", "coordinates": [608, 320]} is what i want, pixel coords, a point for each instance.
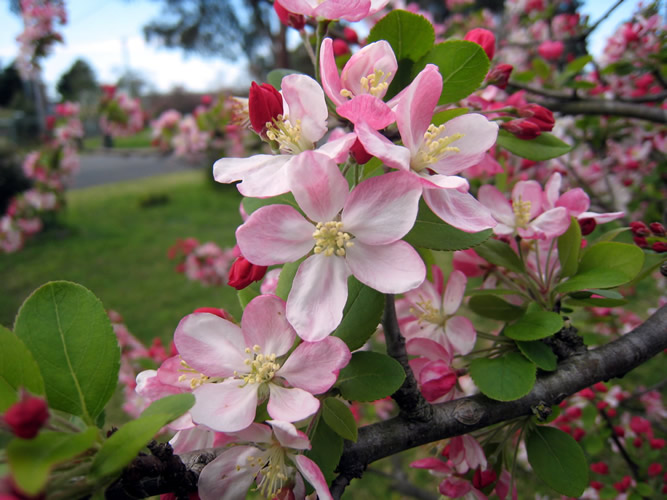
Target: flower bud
{"type": "Point", "coordinates": [657, 228]}
{"type": "Point", "coordinates": [350, 35]}
{"type": "Point", "coordinates": [26, 417]}
{"type": "Point", "coordinates": [221, 313]}
{"type": "Point", "coordinates": [483, 37]}
{"type": "Point", "coordinates": [587, 226]}
{"type": "Point", "coordinates": [539, 115]}
{"type": "Point", "coordinates": [359, 153]}
{"type": "Point", "coordinates": [523, 129]}
{"type": "Point", "coordinates": [296, 21]}
{"type": "Point", "coordinates": [482, 478]}
{"type": "Point", "coordinates": [639, 228]}
{"type": "Point", "coordinates": [340, 47]}
{"type": "Point", "coordinates": [600, 468]}
{"type": "Point", "coordinates": [551, 50]}
{"type": "Point", "coordinates": [659, 246]}
{"type": "Point", "coordinates": [243, 273]}
{"type": "Point", "coordinates": [264, 104]}
{"type": "Point", "coordinates": [500, 75]}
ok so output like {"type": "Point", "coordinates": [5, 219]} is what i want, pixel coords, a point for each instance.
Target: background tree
{"type": "Point", "coordinates": [77, 81]}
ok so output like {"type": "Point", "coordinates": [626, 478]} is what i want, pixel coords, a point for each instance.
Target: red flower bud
{"type": "Point", "coordinates": [654, 469]}
{"type": "Point", "coordinates": [206, 99]}
{"type": "Point", "coordinates": [600, 387]}
{"type": "Point", "coordinates": [540, 115]}
{"type": "Point", "coordinates": [619, 431]}
{"type": "Point", "coordinates": [340, 47]}
{"type": "Point", "coordinates": [296, 21]}
{"type": "Point", "coordinates": [551, 50]}
{"type": "Point", "coordinates": [597, 485]}
{"type": "Point", "coordinates": [350, 35]}
{"type": "Point", "coordinates": [656, 443]}
{"type": "Point", "coordinates": [523, 129]}
{"type": "Point", "coordinates": [623, 484]}
{"type": "Point", "coordinates": [50, 122]}
{"type": "Point", "coordinates": [482, 478]}
{"type": "Point", "coordinates": [639, 229]}
{"type": "Point", "coordinates": [221, 313]}
{"type": "Point", "coordinates": [359, 153]}
{"type": "Point", "coordinates": [640, 241]}
{"type": "Point", "coordinates": [26, 417]}
{"type": "Point", "coordinates": [600, 468]}
{"type": "Point", "coordinates": [659, 246]}
{"type": "Point", "coordinates": [243, 273]}
{"type": "Point", "coordinates": [637, 443]}
{"type": "Point", "coordinates": [587, 393]}
{"type": "Point", "coordinates": [657, 228]}
{"type": "Point", "coordinates": [264, 104]}
{"type": "Point", "coordinates": [500, 75]}
{"type": "Point", "coordinates": [483, 37]}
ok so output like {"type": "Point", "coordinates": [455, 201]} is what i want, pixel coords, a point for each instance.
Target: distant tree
{"type": "Point", "coordinates": [134, 83]}
{"type": "Point", "coordinates": [76, 81]}
{"type": "Point", "coordinates": [11, 86]}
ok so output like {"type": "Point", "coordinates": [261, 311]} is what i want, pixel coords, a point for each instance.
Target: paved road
{"type": "Point", "coordinates": [106, 167]}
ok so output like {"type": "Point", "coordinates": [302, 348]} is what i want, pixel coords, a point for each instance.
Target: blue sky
{"type": "Point", "coordinates": [107, 33]}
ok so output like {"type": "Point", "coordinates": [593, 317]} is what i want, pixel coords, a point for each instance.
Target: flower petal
{"type": "Point", "coordinates": [264, 323]}
{"type": "Point", "coordinates": [392, 268]}
{"type": "Point", "coordinates": [461, 210]}
{"type": "Point", "coordinates": [318, 186]}
{"type": "Point", "coordinates": [275, 234]}
{"type": "Point", "coordinates": [195, 438]}
{"type": "Point", "coordinates": [261, 175]}
{"type": "Point", "coordinates": [337, 149]}
{"type": "Point", "coordinates": [460, 334]}
{"type": "Point", "coordinates": [291, 404]}
{"type": "Point", "coordinates": [382, 209]}
{"type": "Point", "coordinates": [378, 145]}
{"type": "Point", "coordinates": [305, 99]}
{"type": "Point", "coordinates": [499, 206]}
{"type": "Point", "coordinates": [329, 71]}
{"type": "Point", "coordinates": [314, 476]}
{"type": "Point", "coordinates": [318, 295]}
{"type": "Point", "coordinates": [374, 57]}
{"type": "Point", "coordinates": [314, 366]}
{"type": "Point", "coordinates": [369, 109]}
{"type": "Point", "coordinates": [289, 436]}
{"type": "Point", "coordinates": [225, 407]}
{"type": "Point", "coordinates": [210, 344]}
{"type": "Point", "coordinates": [456, 287]}
{"type": "Point", "coordinates": [230, 475]}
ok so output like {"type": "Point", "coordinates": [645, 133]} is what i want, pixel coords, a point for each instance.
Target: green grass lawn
{"type": "Point", "coordinates": [139, 140]}
{"type": "Point", "coordinates": [115, 247]}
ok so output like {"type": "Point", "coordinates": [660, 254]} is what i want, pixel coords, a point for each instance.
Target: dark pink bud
{"type": "Point", "coordinates": [600, 468]}
{"type": "Point", "coordinates": [350, 35]}
{"type": "Point", "coordinates": [657, 228]}
{"type": "Point", "coordinates": [26, 417]}
{"type": "Point", "coordinates": [500, 75]}
{"type": "Point", "coordinates": [523, 129]}
{"type": "Point", "coordinates": [623, 484]}
{"type": "Point", "coordinates": [484, 38]}
{"type": "Point", "coordinates": [206, 100]}
{"type": "Point", "coordinates": [359, 153]}
{"type": "Point", "coordinates": [50, 122]}
{"type": "Point", "coordinates": [482, 478]}
{"type": "Point", "coordinates": [587, 226]}
{"type": "Point", "coordinates": [639, 229]}
{"type": "Point", "coordinates": [597, 485]}
{"type": "Point", "coordinates": [654, 469]}
{"type": "Point", "coordinates": [540, 115]}
{"type": "Point", "coordinates": [656, 443]}
{"type": "Point", "coordinates": [551, 50]}
{"type": "Point", "coordinates": [264, 104]}
{"type": "Point", "coordinates": [243, 273]}
{"type": "Point", "coordinates": [659, 246]}
{"type": "Point", "coordinates": [296, 21]}
{"type": "Point", "coordinates": [340, 47]}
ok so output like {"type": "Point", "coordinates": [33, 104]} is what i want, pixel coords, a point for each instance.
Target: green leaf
{"type": "Point", "coordinates": [580, 84]}
{"type": "Point", "coordinates": [410, 35]}
{"type": "Point", "coordinates": [494, 307]}
{"type": "Point", "coordinates": [70, 336]}
{"type": "Point", "coordinates": [248, 293]}
{"type": "Point", "coordinates": [327, 447]}
{"type": "Point", "coordinates": [286, 277]}
{"type": "Point", "coordinates": [275, 76]}
{"type": "Point", "coordinates": [539, 353]}
{"type": "Point", "coordinates": [31, 460]}
{"type": "Point", "coordinates": [124, 445]}
{"type": "Point", "coordinates": [370, 376]}
{"type": "Point", "coordinates": [592, 443]}
{"type": "Point", "coordinates": [535, 326]}
{"type": "Point", "coordinates": [490, 291]}
{"type": "Point", "coordinates": [558, 460]}
{"type": "Point", "coordinates": [578, 64]}
{"type": "Point", "coordinates": [431, 232]}
{"type": "Point", "coordinates": [501, 254]}
{"type": "Point", "coordinates": [524, 76]}
{"type": "Point", "coordinates": [339, 417]}
{"type": "Point", "coordinates": [18, 369]}
{"type": "Point", "coordinates": [544, 147]}
{"type": "Point", "coordinates": [605, 265]}
{"type": "Point", "coordinates": [361, 315]}
{"type": "Point", "coordinates": [569, 244]}
{"type": "Point", "coordinates": [463, 66]}
{"type": "Point", "coordinates": [446, 115]}
{"type": "Point", "coordinates": [611, 235]}
{"type": "Point", "coordinates": [504, 379]}
{"type": "Point", "coordinates": [252, 204]}
{"type": "Point", "coordinates": [541, 68]}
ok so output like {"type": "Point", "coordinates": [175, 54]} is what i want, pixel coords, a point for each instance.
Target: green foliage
{"type": "Point", "coordinates": [361, 314]}
{"type": "Point", "coordinates": [505, 378]}
{"type": "Point", "coordinates": [544, 147]}
{"type": "Point", "coordinates": [248, 293]}
{"type": "Point", "coordinates": [76, 81]}
{"type": "Point", "coordinates": [605, 265]}
{"type": "Point", "coordinates": [558, 460]}
{"type": "Point", "coordinates": [539, 353]}
{"type": "Point", "coordinates": [339, 418]}
{"type": "Point", "coordinates": [31, 460]}
{"type": "Point", "coordinates": [275, 76]}
{"type": "Point", "coordinates": [17, 369]}
{"type": "Point", "coordinates": [410, 35]}
{"type": "Point", "coordinates": [70, 336]}
{"type": "Point", "coordinates": [123, 445]}
{"type": "Point", "coordinates": [286, 277]}
{"type": "Point", "coordinates": [534, 326]}
{"type": "Point", "coordinates": [326, 449]}
{"type": "Point", "coordinates": [431, 232]}
{"type": "Point", "coordinates": [569, 244]}
{"type": "Point", "coordinates": [463, 66]}
{"type": "Point", "coordinates": [494, 307]}
{"type": "Point", "coordinates": [370, 376]}
{"type": "Point", "coordinates": [500, 254]}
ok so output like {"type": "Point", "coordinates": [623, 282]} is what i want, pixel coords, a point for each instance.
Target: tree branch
{"type": "Point", "coordinates": [449, 419]}
{"type": "Point", "coordinates": [605, 107]}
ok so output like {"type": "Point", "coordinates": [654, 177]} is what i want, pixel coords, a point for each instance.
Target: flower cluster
{"type": "Point", "coordinates": [207, 263]}
{"type": "Point", "coordinates": [120, 115]}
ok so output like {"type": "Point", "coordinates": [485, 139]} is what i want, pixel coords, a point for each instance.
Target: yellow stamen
{"type": "Point", "coordinates": [288, 135]}
{"type": "Point", "coordinates": [521, 211]}
{"type": "Point", "coordinates": [330, 239]}
{"type": "Point", "coordinates": [436, 145]}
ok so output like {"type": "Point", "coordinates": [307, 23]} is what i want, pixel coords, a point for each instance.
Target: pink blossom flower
{"type": "Point", "coordinates": [350, 10]}
{"type": "Point", "coordinates": [356, 232]}
{"type": "Point", "coordinates": [369, 71]}
{"type": "Point", "coordinates": [298, 129]}
{"type": "Point", "coordinates": [551, 50]}
{"type": "Point", "coordinates": [524, 214]}
{"type": "Point", "coordinates": [270, 460]}
{"type": "Point", "coordinates": [429, 311]}
{"type": "Point", "coordinates": [233, 369]}
{"type": "Point", "coordinates": [435, 154]}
